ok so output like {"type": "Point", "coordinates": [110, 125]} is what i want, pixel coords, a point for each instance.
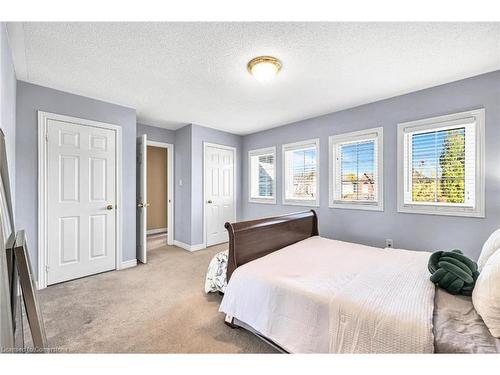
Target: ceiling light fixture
{"type": "Point", "coordinates": [264, 68]}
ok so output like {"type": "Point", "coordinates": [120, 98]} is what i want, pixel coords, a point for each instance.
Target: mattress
{"type": "Point", "coordinates": [326, 296]}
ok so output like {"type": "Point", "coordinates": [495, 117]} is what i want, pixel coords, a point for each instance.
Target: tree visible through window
{"type": "Point", "coordinates": [438, 166]}
{"type": "Point", "coordinates": [441, 165]}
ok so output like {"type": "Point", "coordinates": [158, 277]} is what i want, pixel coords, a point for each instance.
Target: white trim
{"type": "Point", "coordinates": [187, 247]}
{"type": "Point", "coordinates": [128, 264]}
{"type": "Point", "coordinates": [299, 202]}
{"type": "Point", "coordinates": [170, 183]}
{"type": "Point", "coordinates": [156, 231]}
{"type": "Point", "coordinates": [141, 194]}
{"type": "Point", "coordinates": [235, 171]}
{"type": "Point", "coordinates": [373, 133]}
{"type": "Point", "coordinates": [257, 152]}
{"type": "Point", "coordinates": [43, 117]}
{"type": "Point", "coordinates": [157, 144]}
{"type": "Point", "coordinates": [262, 200]}
{"type": "Point", "coordinates": [478, 115]}
{"type": "Point", "coordinates": [439, 121]}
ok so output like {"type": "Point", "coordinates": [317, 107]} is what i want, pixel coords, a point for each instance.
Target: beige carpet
{"type": "Point", "coordinates": [158, 307]}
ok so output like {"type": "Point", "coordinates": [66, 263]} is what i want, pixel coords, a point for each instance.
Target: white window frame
{"type": "Point", "coordinates": [478, 116]}
{"type": "Point", "coordinates": [297, 145]}
{"type": "Point", "coordinates": [258, 152]}
{"type": "Point", "coordinates": [334, 140]}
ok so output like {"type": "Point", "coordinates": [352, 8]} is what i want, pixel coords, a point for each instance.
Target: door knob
{"type": "Point", "coordinates": [109, 207]}
{"type": "Point", "coordinates": [209, 201]}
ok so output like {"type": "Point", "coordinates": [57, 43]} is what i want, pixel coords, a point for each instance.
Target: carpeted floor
{"type": "Point", "coordinates": [158, 307]}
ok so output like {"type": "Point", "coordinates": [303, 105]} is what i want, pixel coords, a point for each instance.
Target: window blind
{"type": "Point", "coordinates": [356, 176]}
{"type": "Point", "coordinates": [301, 173]}
{"type": "Point", "coordinates": [262, 175]}
{"type": "Point", "coordinates": [440, 166]}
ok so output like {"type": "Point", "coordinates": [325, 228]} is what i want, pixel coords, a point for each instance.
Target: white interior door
{"type": "Point", "coordinates": [141, 191]}
{"type": "Point", "coordinates": [219, 192]}
{"type": "Point", "coordinates": [81, 200]}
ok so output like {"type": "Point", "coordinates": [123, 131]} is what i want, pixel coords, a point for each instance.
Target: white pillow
{"type": "Point", "coordinates": [486, 294]}
{"type": "Point", "coordinates": [490, 246]}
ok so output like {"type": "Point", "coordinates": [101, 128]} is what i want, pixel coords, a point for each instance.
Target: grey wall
{"type": "Point", "coordinates": [156, 134]}
{"type": "Point", "coordinates": [201, 134]}
{"type": "Point", "coordinates": [30, 99]}
{"type": "Point", "coordinates": [182, 197]}
{"type": "Point", "coordinates": [189, 168]}
{"type": "Point", "coordinates": [8, 106]}
{"type": "Point", "coordinates": [411, 231]}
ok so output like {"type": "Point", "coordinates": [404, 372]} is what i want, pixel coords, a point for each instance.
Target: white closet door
{"type": "Point", "coordinates": [81, 216]}
{"type": "Point", "coordinates": [219, 193]}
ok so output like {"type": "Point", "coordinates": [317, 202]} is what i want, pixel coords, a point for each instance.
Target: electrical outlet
{"type": "Point", "coordinates": [388, 243]}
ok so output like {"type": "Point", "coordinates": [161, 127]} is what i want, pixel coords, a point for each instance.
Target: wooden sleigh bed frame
{"type": "Point", "coordinates": [250, 240]}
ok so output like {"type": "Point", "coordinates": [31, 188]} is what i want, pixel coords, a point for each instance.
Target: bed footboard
{"type": "Point", "coordinates": [250, 240]}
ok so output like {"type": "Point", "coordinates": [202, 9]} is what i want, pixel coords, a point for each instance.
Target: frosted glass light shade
{"type": "Point", "coordinates": [264, 68]}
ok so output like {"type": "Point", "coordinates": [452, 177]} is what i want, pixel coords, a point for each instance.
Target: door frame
{"type": "Point", "coordinates": [43, 118]}
{"type": "Point", "coordinates": [235, 171]}
{"type": "Point", "coordinates": [170, 186]}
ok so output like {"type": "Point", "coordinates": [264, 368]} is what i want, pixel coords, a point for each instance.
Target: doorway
{"type": "Point", "coordinates": [154, 195]}
{"type": "Point", "coordinates": [219, 194]}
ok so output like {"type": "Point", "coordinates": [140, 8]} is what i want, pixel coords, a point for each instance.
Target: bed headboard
{"type": "Point", "coordinates": [250, 240]}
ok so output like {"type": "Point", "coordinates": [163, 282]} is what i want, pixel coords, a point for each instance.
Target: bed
{"type": "Point", "coordinates": [299, 292]}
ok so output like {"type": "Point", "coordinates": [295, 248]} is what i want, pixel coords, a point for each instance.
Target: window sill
{"type": "Point", "coordinates": [357, 206]}
{"type": "Point", "coordinates": [441, 210]}
{"type": "Point", "coordinates": [305, 203]}
{"type": "Point", "coordinates": [262, 200]}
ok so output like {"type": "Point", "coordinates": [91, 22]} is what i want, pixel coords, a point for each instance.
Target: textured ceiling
{"type": "Point", "coordinates": [177, 73]}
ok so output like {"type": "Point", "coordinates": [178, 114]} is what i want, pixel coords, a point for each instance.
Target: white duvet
{"type": "Point", "coordinates": [326, 296]}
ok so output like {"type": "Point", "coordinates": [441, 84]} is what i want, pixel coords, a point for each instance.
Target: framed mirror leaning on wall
{"type": "Point", "coordinates": [18, 294]}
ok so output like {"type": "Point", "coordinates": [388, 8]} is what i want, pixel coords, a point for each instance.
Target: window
{"type": "Point", "coordinates": [301, 173]}
{"type": "Point", "coordinates": [441, 165]}
{"type": "Point", "coordinates": [356, 170]}
{"type": "Point", "coordinates": [262, 175]}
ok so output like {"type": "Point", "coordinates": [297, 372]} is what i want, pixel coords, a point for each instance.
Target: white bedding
{"type": "Point", "coordinates": [326, 296]}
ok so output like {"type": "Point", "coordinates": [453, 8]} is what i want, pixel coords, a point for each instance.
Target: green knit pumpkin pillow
{"type": "Point", "coordinates": [453, 271]}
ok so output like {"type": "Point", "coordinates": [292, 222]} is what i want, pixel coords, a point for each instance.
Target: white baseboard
{"type": "Point", "coordinates": [155, 231]}
{"type": "Point", "coordinates": [187, 247]}
{"type": "Point", "coordinates": [128, 264]}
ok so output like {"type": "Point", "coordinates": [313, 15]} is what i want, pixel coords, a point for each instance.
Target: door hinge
{"type": "Point", "coordinates": [46, 137]}
{"type": "Point", "coordinates": [47, 268]}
